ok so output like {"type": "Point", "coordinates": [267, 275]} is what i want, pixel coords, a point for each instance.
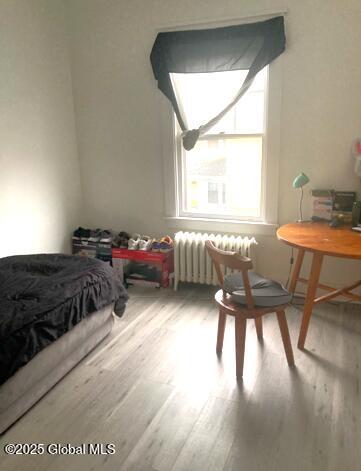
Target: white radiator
{"type": "Point", "coordinates": [192, 262]}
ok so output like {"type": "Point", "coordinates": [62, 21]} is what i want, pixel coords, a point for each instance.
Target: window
{"type": "Point", "coordinates": [213, 193]}
{"type": "Point", "coordinates": [224, 175]}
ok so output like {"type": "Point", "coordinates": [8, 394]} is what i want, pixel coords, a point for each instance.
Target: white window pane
{"type": "Point", "coordinates": [212, 193]}
{"type": "Point", "coordinates": [224, 177]}
{"type": "Point", "coordinates": [247, 117]}
{"type": "Point", "coordinates": [250, 114]}
{"type": "Point", "coordinates": [260, 80]}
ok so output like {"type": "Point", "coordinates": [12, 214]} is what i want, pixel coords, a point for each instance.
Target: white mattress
{"type": "Point", "coordinates": [37, 377]}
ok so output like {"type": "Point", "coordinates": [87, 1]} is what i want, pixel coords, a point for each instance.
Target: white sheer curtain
{"type": "Point", "coordinates": [203, 96]}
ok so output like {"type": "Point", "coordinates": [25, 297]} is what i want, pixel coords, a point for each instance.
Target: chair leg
{"type": "Point", "coordinates": [285, 336]}
{"type": "Point", "coordinates": [240, 338]}
{"type": "Point", "coordinates": [259, 329]}
{"type": "Point", "coordinates": [220, 333]}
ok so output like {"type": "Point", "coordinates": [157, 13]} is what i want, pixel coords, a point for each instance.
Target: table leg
{"type": "Point", "coordinates": [296, 270]}
{"type": "Point", "coordinates": [310, 297]}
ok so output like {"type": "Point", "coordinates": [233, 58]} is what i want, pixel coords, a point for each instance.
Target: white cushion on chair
{"type": "Point", "coordinates": [265, 292]}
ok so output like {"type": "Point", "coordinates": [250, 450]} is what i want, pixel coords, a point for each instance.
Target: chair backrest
{"type": "Point", "coordinates": [234, 261]}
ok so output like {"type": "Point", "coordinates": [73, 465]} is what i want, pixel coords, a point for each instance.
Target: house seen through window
{"type": "Point", "coordinates": [222, 177]}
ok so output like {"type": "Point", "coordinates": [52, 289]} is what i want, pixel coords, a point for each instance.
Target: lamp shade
{"type": "Point", "coordinates": [300, 180]}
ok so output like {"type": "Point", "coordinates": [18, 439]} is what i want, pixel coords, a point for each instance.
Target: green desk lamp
{"type": "Point", "coordinates": [299, 182]}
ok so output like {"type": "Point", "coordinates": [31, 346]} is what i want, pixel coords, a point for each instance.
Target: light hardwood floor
{"type": "Point", "coordinates": [156, 389]}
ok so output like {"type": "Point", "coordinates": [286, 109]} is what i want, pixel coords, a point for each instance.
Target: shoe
{"type": "Point", "coordinates": [145, 243]}
{"type": "Point", "coordinates": [76, 233]}
{"type": "Point", "coordinates": [94, 236]}
{"type": "Point", "coordinates": [121, 240]}
{"type": "Point", "coordinates": [133, 242]}
{"type": "Point", "coordinates": [81, 233]}
{"type": "Point", "coordinates": [155, 247]}
{"type": "Point", "coordinates": [165, 244]}
{"type": "Point", "coordinates": [105, 237]}
{"type": "Point", "coordinates": [100, 235]}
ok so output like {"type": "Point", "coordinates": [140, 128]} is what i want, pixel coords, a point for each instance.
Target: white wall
{"type": "Point", "coordinates": [117, 107]}
{"type": "Point", "coordinates": [39, 169]}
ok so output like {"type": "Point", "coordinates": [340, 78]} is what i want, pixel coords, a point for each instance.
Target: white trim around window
{"type": "Point", "coordinates": [269, 221]}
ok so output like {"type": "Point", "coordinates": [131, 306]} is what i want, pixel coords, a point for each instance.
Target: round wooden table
{"type": "Point", "coordinates": [321, 240]}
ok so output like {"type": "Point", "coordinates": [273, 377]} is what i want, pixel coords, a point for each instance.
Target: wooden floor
{"type": "Point", "coordinates": [156, 389]}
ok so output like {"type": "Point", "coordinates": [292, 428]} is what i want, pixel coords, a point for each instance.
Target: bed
{"type": "Point", "coordinates": [54, 309]}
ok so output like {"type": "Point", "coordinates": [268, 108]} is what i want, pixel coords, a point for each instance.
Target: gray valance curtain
{"type": "Point", "coordinates": [248, 47]}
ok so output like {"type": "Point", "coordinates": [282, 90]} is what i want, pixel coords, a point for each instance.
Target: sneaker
{"type": "Point", "coordinates": [121, 240]}
{"type": "Point", "coordinates": [165, 244]}
{"type": "Point", "coordinates": [133, 242]}
{"type": "Point", "coordinates": [145, 243]}
{"type": "Point", "coordinates": [81, 233]}
{"type": "Point", "coordinates": [155, 247]}
{"type": "Point", "coordinates": [124, 235]}
{"type": "Point", "coordinates": [106, 237]}
{"type": "Point", "coordinates": [94, 236]}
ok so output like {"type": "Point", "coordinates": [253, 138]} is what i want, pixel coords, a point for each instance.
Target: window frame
{"type": "Point", "coordinates": [180, 154]}
{"type": "Point", "coordinates": [182, 180]}
{"type": "Point", "coordinates": [268, 222]}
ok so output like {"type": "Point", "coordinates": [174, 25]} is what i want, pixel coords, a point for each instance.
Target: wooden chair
{"type": "Point", "coordinates": [243, 312]}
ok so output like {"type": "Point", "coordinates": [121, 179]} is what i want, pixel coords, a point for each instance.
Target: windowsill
{"type": "Point", "coordinates": [222, 225]}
